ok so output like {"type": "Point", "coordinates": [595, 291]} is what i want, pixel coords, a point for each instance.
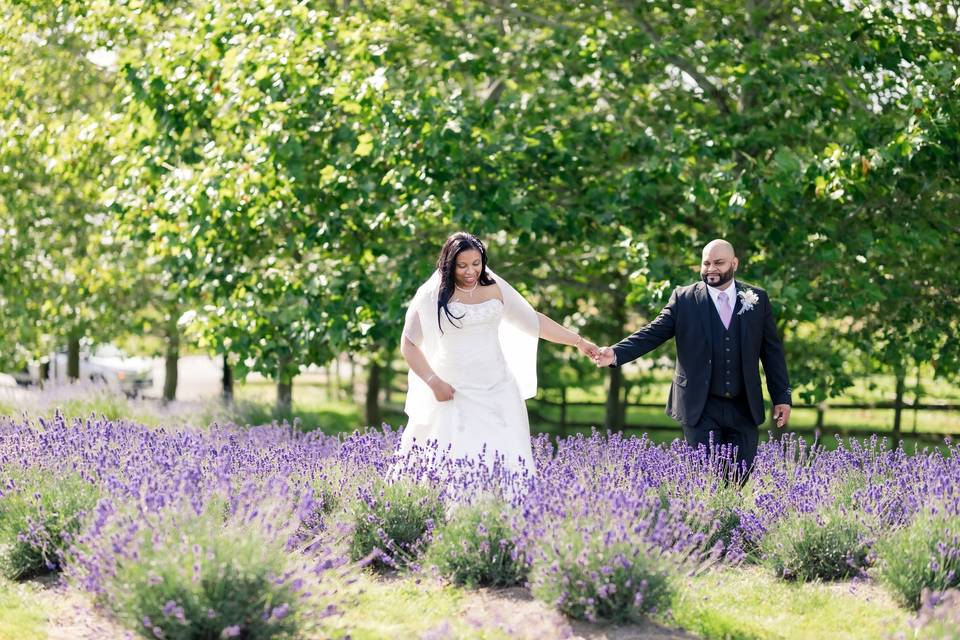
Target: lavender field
{"type": "Point", "coordinates": [266, 532]}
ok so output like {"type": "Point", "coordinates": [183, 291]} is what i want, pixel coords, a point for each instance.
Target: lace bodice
{"type": "Point", "coordinates": [481, 312]}
{"type": "Point", "coordinates": [469, 350]}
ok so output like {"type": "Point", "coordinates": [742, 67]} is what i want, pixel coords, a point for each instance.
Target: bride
{"type": "Point", "coordinates": [470, 341]}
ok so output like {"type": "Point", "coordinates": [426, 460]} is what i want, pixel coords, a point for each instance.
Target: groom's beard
{"type": "Point", "coordinates": [720, 279]}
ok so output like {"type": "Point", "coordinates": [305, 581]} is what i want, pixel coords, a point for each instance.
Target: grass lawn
{"type": "Point", "coordinates": [311, 406]}
{"type": "Point", "coordinates": [749, 603]}
{"type": "Point", "coordinates": [21, 617]}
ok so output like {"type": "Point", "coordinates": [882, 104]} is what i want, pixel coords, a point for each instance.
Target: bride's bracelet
{"type": "Point", "coordinates": [579, 340]}
{"type": "Point", "coordinates": [430, 378]}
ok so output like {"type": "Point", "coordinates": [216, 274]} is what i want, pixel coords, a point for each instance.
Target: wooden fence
{"type": "Point", "coordinates": [564, 424]}
{"type": "Point", "coordinates": [541, 408]}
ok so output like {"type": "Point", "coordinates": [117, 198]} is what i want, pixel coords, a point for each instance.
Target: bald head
{"type": "Point", "coordinates": [719, 247]}
{"type": "Point", "coordinates": [719, 264]}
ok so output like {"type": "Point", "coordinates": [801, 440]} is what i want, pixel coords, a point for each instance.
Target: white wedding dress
{"type": "Point", "coordinates": [487, 417]}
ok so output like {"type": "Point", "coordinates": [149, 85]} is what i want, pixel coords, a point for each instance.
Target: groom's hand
{"type": "Point", "coordinates": [781, 415]}
{"type": "Point", "coordinates": [604, 357]}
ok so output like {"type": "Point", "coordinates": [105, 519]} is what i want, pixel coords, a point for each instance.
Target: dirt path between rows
{"type": "Point", "coordinates": [512, 610]}
{"type": "Point", "coordinates": [72, 615]}
{"type": "Point", "coordinates": [519, 615]}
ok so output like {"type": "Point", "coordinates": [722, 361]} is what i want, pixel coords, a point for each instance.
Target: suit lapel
{"type": "Point", "coordinates": [743, 323]}
{"type": "Point", "coordinates": [706, 308]}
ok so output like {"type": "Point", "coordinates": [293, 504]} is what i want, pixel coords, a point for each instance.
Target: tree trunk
{"type": "Point", "coordinates": [612, 421]}
{"type": "Point", "coordinates": [284, 388]}
{"type": "Point", "coordinates": [614, 407]}
{"type": "Point", "coordinates": [172, 357]}
{"type": "Point", "coordinates": [328, 377]}
{"type": "Point", "coordinates": [373, 396]}
{"type": "Point", "coordinates": [336, 379]}
{"type": "Point", "coordinates": [624, 404]}
{"type": "Point", "coordinates": [227, 379]}
{"type": "Point", "coordinates": [353, 378]}
{"type": "Point", "coordinates": [73, 358]}
{"type": "Point", "coordinates": [898, 408]}
{"type": "Point", "coordinates": [388, 374]}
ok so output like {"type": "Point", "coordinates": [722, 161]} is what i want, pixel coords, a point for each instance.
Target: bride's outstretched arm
{"type": "Point", "coordinates": [553, 332]}
{"type": "Point", "coordinates": [419, 365]}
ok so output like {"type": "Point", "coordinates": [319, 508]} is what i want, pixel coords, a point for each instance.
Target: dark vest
{"type": "Point", "coordinates": [726, 375]}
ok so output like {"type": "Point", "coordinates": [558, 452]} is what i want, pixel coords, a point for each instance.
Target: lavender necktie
{"type": "Point", "coordinates": [726, 311]}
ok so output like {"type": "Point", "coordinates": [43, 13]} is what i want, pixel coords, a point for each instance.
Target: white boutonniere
{"type": "Point", "coordinates": [748, 298]}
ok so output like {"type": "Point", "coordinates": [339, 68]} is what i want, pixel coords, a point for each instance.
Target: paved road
{"type": "Point", "coordinates": [198, 377]}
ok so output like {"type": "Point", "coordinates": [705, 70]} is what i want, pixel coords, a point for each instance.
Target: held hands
{"type": "Point", "coordinates": [601, 356]}
{"type": "Point", "coordinates": [442, 391]}
{"type": "Point", "coordinates": [587, 348]}
{"type": "Point", "coordinates": [781, 415]}
{"type": "Point", "coordinates": [604, 357]}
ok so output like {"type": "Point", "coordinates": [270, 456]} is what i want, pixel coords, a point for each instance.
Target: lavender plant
{"type": "Point", "coordinates": [393, 522]}
{"type": "Point", "coordinates": [601, 540]}
{"type": "Point", "coordinates": [613, 576]}
{"type": "Point", "coordinates": [605, 523]}
{"type": "Point", "coordinates": [223, 566]}
{"type": "Point", "coordinates": [475, 547]}
{"type": "Point", "coordinates": [40, 513]}
{"type": "Point", "coordinates": [939, 615]}
{"type": "Point", "coordinates": [829, 544]}
{"type": "Point", "coordinates": [922, 556]}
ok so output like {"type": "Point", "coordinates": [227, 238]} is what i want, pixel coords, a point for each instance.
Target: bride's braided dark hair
{"type": "Point", "coordinates": [447, 266]}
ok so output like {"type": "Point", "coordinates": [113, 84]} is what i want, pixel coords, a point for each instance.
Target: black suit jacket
{"type": "Point", "coordinates": [687, 318]}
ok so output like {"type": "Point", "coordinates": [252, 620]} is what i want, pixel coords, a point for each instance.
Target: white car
{"type": "Point", "coordinates": [106, 365]}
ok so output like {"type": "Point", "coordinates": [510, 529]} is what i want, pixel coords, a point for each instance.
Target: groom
{"type": "Point", "coordinates": [723, 330]}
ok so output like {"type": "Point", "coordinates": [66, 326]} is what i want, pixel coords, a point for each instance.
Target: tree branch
{"type": "Point", "coordinates": [716, 93]}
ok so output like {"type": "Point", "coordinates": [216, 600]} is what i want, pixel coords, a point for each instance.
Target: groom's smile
{"type": "Point", "coordinates": [717, 277]}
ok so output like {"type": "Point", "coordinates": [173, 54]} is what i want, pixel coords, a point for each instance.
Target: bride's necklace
{"type": "Point", "coordinates": [470, 291]}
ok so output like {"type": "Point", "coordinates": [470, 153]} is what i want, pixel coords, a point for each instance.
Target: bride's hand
{"type": "Point", "coordinates": [588, 348]}
{"type": "Point", "coordinates": [442, 391]}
